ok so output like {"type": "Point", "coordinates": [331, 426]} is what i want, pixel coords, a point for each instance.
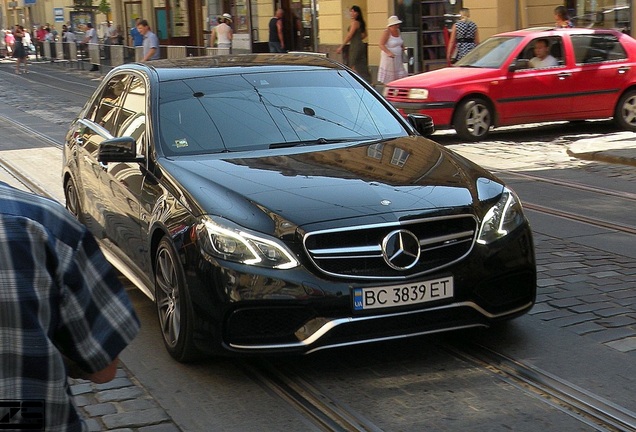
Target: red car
{"type": "Point", "coordinates": [527, 76]}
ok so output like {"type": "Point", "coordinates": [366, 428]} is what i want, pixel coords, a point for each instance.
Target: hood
{"type": "Point", "coordinates": [302, 188]}
{"type": "Point", "coordinates": [445, 77]}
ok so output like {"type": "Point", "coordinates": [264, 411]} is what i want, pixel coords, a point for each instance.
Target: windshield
{"type": "Point", "coordinates": [253, 111]}
{"type": "Point", "coordinates": [491, 53]}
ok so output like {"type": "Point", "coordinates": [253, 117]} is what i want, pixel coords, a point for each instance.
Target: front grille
{"type": "Point", "coordinates": [356, 252]}
{"type": "Point", "coordinates": [397, 92]}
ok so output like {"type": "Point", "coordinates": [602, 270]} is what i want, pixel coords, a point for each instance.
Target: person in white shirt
{"type": "Point", "coordinates": [223, 34]}
{"type": "Point", "coordinates": [90, 37]}
{"type": "Point", "coordinates": [542, 57]}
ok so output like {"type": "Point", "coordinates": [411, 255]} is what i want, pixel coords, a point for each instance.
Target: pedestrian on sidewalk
{"type": "Point", "coordinates": [276, 38]}
{"type": "Point", "coordinates": [90, 39]}
{"type": "Point", "coordinates": [222, 34]}
{"type": "Point", "coordinates": [63, 310]}
{"type": "Point", "coordinates": [9, 41]}
{"type": "Point", "coordinates": [463, 38]}
{"type": "Point", "coordinates": [19, 51]}
{"type": "Point", "coordinates": [357, 58]}
{"type": "Point", "coordinates": [392, 47]}
{"type": "Point", "coordinates": [136, 38]}
{"type": "Point", "coordinates": [151, 42]}
{"type": "Point", "coordinates": [562, 18]}
{"type": "Point", "coordinates": [68, 39]}
{"type": "Point", "coordinates": [40, 35]}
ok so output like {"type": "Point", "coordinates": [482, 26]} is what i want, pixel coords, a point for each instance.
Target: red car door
{"type": "Point", "coordinates": [601, 73]}
{"type": "Point", "coordinates": [529, 94]}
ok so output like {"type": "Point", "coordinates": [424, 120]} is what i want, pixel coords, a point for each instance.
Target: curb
{"type": "Point", "coordinates": [604, 156]}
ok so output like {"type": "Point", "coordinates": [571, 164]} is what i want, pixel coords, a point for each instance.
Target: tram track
{"type": "Point", "coordinates": [585, 406]}
{"type": "Point", "coordinates": [330, 414]}
{"type": "Point", "coordinates": [34, 72]}
{"type": "Point", "coordinates": [576, 217]}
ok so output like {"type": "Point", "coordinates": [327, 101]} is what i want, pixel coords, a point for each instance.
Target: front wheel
{"type": "Point", "coordinates": [473, 119]}
{"type": "Point", "coordinates": [625, 113]}
{"type": "Point", "coordinates": [72, 200]}
{"type": "Point", "coordinates": [174, 306]}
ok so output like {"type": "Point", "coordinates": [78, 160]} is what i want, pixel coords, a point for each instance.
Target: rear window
{"type": "Point", "coordinates": [596, 48]}
{"type": "Point", "coordinates": [257, 110]}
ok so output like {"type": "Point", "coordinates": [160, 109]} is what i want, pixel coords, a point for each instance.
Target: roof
{"type": "Point", "coordinates": [534, 31]}
{"type": "Point", "coordinates": [222, 64]}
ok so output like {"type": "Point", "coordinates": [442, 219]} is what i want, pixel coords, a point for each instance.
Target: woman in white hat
{"type": "Point", "coordinates": [223, 33]}
{"type": "Point", "coordinates": [392, 46]}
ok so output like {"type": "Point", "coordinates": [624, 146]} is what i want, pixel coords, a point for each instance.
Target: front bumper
{"type": "Point", "coordinates": [297, 311]}
{"type": "Point", "coordinates": [440, 112]}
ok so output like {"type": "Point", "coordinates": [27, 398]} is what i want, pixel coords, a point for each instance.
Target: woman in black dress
{"type": "Point", "coordinates": [19, 51]}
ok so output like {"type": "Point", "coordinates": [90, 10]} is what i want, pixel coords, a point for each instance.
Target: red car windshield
{"type": "Point", "coordinates": [491, 53]}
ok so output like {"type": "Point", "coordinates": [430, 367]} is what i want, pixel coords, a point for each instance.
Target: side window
{"type": "Point", "coordinates": [104, 112]}
{"type": "Point", "coordinates": [596, 48]}
{"type": "Point", "coordinates": [132, 116]}
{"type": "Point", "coordinates": [543, 52]}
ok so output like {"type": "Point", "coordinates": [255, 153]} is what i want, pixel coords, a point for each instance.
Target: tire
{"type": "Point", "coordinates": [174, 306]}
{"type": "Point", "coordinates": [625, 112]}
{"type": "Point", "coordinates": [72, 200]}
{"type": "Point", "coordinates": [473, 119]}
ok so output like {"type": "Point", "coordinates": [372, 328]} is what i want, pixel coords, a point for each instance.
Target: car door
{"type": "Point", "coordinates": [88, 132]}
{"type": "Point", "coordinates": [601, 73]}
{"type": "Point", "coordinates": [534, 94]}
{"type": "Point", "coordinates": [124, 181]}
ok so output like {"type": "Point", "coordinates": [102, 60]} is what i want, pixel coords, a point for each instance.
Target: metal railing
{"type": "Point", "coordinates": [84, 55]}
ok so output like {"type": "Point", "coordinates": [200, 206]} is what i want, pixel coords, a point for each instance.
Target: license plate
{"type": "Point", "coordinates": [402, 295]}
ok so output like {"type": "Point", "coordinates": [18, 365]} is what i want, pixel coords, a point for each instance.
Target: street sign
{"type": "Point", "coordinates": [59, 14]}
{"type": "Point", "coordinates": [29, 2]}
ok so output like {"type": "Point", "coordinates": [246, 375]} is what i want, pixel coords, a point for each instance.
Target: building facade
{"type": "Point", "coordinates": [316, 25]}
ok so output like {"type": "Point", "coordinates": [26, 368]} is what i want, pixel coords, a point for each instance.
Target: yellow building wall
{"type": "Point", "coordinates": [378, 13]}
{"type": "Point", "coordinates": [262, 12]}
{"type": "Point", "coordinates": [496, 16]}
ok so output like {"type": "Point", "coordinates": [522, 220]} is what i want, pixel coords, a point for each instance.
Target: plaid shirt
{"type": "Point", "coordinates": [58, 297]}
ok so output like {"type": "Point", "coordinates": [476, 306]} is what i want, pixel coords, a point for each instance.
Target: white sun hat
{"type": "Point", "coordinates": [393, 20]}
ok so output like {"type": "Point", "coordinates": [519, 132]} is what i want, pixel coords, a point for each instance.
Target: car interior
{"type": "Point", "coordinates": [555, 51]}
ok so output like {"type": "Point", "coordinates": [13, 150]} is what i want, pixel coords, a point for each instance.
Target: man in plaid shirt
{"type": "Point", "coordinates": [62, 309]}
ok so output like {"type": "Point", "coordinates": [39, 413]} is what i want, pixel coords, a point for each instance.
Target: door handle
{"type": "Point", "coordinates": [623, 69]}
{"type": "Point", "coordinates": [564, 75]}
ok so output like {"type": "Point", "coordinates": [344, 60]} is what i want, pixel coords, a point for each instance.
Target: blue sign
{"type": "Point", "coordinates": [59, 14]}
{"type": "Point", "coordinates": [29, 2]}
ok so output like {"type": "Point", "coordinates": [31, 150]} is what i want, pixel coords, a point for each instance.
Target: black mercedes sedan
{"type": "Point", "coordinates": [277, 203]}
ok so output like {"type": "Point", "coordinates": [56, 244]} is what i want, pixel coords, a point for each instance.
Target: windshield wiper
{"type": "Point", "coordinates": [317, 141]}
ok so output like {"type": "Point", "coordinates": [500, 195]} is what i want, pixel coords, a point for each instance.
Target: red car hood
{"type": "Point", "coordinates": [445, 77]}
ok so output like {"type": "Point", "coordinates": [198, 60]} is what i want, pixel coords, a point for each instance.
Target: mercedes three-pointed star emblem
{"type": "Point", "coordinates": [401, 249]}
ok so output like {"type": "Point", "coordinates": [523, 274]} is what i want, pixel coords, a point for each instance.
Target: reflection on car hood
{"type": "Point", "coordinates": [306, 186]}
{"type": "Point", "coordinates": [444, 77]}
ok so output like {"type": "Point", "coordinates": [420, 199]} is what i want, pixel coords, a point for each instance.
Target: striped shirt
{"type": "Point", "coordinates": [59, 297]}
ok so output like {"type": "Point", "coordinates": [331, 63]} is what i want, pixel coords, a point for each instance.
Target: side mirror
{"type": "Point", "coordinates": [422, 123]}
{"type": "Point", "coordinates": [122, 149]}
{"type": "Point", "coordinates": [518, 64]}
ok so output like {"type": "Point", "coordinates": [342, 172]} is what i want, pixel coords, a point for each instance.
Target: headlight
{"type": "Point", "coordinates": [501, 218]}
{"type": "Point", "coordinates": [228, 241]}
{"type": "Point", "coordinates": [418, 93]}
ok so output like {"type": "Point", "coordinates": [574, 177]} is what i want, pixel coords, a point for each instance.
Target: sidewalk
{"type": "Point", "coordinates": [617, 148]}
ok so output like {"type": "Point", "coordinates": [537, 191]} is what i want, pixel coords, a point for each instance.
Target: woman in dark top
{"type": "Point", "coordinates": [562, 18]}
{"type": "Point", "coordinates": [19, 52]}
{"type": "Point", "coordinates": [464, 36]}
{"type": "Point", "coordinates": [357, 50]}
